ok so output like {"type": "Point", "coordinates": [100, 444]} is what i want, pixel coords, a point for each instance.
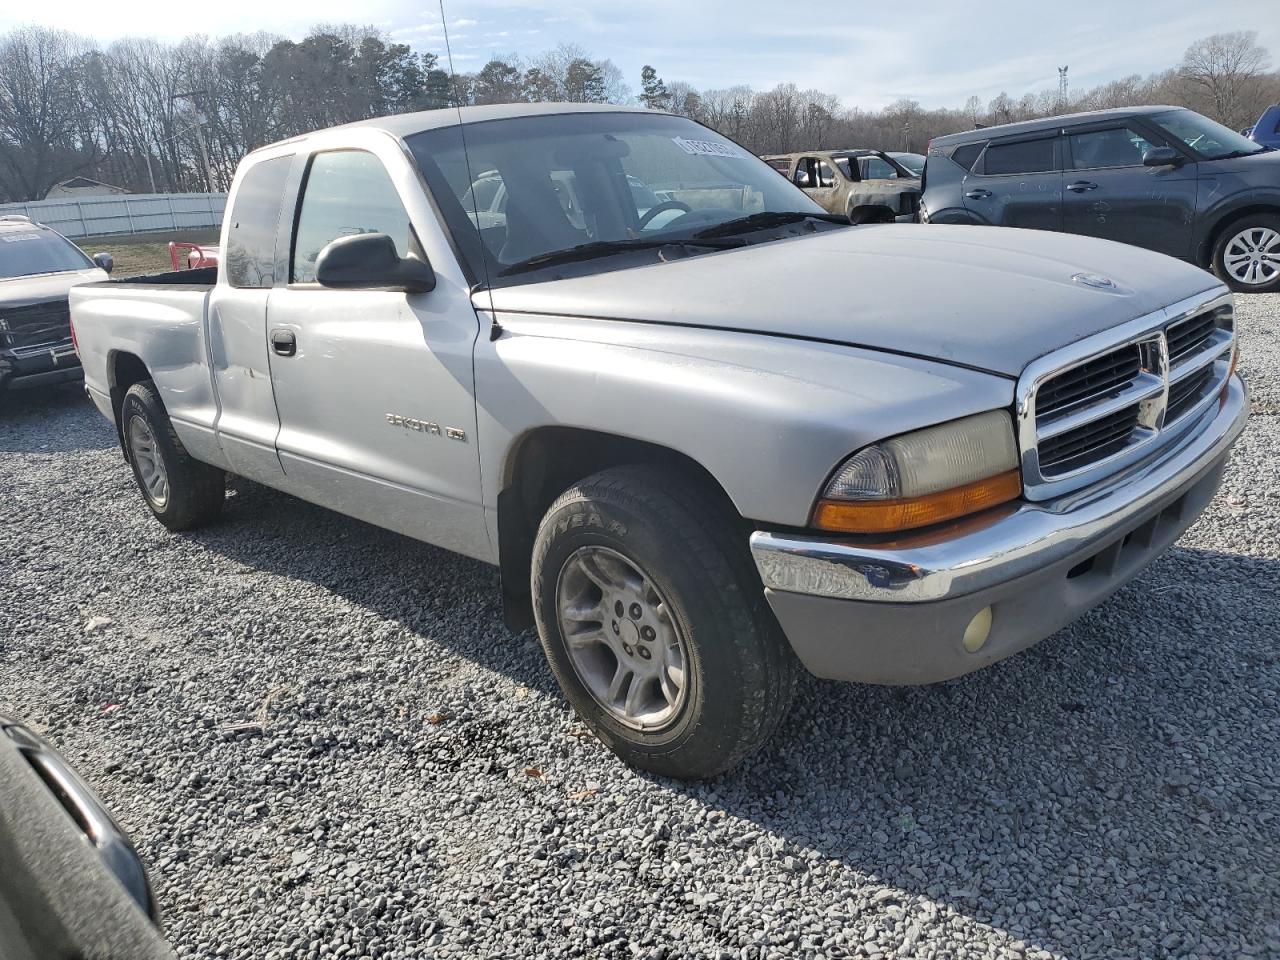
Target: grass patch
{"type": "Point", "coordinates": [143, 253]}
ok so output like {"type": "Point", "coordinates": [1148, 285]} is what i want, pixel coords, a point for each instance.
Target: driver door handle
{"type": "Point", "coordinates": [1080, 186]}
{"type": "Point", "coordinates": [283, 342]}
{"type": "Point", "coordinates": [978, 194]}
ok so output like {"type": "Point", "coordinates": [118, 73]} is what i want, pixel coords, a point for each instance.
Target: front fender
{"type": "Point", "coordinates": [769, 417]}
{"type": "Point", "coordinates": [1224, 198]}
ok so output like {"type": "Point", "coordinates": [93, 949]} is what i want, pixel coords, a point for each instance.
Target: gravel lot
{"type": "Point", "coordinates": [326, 745]}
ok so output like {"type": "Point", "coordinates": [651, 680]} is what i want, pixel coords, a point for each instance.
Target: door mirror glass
{"type": "Point", "coordinates": [104, 261]}
{"type": "Point", "coordinates": [1161, 157]}
{"type": "Point", "coordinates": [370, 261]}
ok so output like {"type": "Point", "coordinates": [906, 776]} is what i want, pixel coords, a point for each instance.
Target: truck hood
{"type": "Point", "coordinates": [988, 298]}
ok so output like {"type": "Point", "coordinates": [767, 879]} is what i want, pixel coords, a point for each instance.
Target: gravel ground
{"type": "Point", "coordinates": [326, 745]}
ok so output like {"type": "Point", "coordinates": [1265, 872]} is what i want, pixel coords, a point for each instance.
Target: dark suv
{"type": "Point", "coordinates": [37, 268]}
{"type": "Point", "coordinates": [1164, 178]}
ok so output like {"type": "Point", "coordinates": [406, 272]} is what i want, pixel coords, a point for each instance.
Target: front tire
{"type": "Point", "coordinates": [655, 624]}
{"type": "Point", "coordinates": [1247, 255]}
{"type": "Point", "coordinates": [183, 493]}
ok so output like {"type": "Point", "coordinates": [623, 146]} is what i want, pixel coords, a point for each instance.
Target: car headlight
{"type": "Point", "coordinates": [924, 477]}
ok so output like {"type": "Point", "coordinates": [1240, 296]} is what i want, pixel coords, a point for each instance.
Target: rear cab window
{"type": "Point", "coordinates": [255, 219]}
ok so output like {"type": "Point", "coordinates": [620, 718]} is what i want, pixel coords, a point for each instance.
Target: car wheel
{"type": "Point", "coordinates": [182, 492]}
{"type": "Point", "coordinates": [655, 623]}
{"type": "Point", "coordinates": [1247, 255]}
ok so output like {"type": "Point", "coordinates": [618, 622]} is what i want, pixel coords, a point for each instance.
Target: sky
{"type": "Point", "coordinates": [868, 54]}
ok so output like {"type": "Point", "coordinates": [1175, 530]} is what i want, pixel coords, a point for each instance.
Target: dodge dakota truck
{"type": "Point", "coordinates": [706, 450]}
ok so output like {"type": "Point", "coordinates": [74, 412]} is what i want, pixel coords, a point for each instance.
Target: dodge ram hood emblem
{"type": "Point", "coordinates": [1094, 280]}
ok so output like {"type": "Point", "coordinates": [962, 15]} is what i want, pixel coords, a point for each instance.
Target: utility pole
{"type": "Point", "coordinates": [1062, 88]}
{"type": "Point", "coordinates": [198, 122]}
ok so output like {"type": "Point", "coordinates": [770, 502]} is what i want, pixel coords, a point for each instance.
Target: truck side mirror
{"type": "Point", "coordinates": [1161, 157]}
{"type": "Point", "coordinates": [370, 261]}
{"type": "Point", "coordinates": [104, 261]}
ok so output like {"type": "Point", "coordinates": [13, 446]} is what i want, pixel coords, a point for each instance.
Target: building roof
{"type": "Point", "coordinates": [79, 183]}
{"type": "Point", "coordinates": [1046, 123]}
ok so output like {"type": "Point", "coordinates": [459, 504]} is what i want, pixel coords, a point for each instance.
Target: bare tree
{"type": "Point", "coordinates": [46, 134]}
{"type": "Point", "coordinates": [1226, 70]}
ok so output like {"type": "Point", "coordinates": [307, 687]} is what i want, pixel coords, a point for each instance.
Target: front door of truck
{"type": "Point", "coordinates": [375, 387]}
{"type": "Point", "coordinates": [1018, 183]}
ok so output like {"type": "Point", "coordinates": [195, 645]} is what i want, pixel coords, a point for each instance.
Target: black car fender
{"type": "Point", "coordinates": [1225, 210]}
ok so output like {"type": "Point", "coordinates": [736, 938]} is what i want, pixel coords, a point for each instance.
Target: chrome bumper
{"type": "Point", "coordinates": [956, 562]}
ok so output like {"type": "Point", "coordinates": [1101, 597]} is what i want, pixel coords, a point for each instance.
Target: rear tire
{"type": "Point", "coordinates": [183, 493]}
{"type": "Point", "coordinates": [1247, 255]}
{"type": "Point", "coordinates": [666, 551]}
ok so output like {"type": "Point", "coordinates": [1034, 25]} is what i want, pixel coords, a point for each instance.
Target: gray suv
{"type": "Point", "coordinates": [1164, 178]}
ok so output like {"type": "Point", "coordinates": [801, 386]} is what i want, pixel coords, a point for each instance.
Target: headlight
{"type": "Point", "coordinates": [924, 477]}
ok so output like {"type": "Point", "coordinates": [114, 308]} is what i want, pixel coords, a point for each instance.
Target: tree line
{"type": "Point", "coordinates": [1225, 77]}
{"type": "Point", "coordinates": [147, 116]}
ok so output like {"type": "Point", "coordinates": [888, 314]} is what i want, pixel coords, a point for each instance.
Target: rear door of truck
{"type": "Point", "coordinates": [247, 422]}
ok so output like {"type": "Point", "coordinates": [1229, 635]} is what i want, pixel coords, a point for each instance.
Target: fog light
{"type": "Point", "coordinates": [979, 628]}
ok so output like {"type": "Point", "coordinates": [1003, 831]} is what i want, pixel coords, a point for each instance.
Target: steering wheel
{"type": "Point", "coordinates": [663, 208]}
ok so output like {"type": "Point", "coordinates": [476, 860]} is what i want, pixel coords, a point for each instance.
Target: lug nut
{"type": "Point", "coordinates": [618, 609]}
{"type": "Point", "coordinates": [627, 647]}
{"type": "Point", "coordinates": [648, 633]}
{"type": "Point", "coordinates": [636, 611]}
{"type": "Point", "coordinates": [644, 653]}
{"type": "Point", "coordinates": [615, 627]}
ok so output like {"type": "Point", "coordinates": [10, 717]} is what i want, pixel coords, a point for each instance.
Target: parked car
{"type": "Point", "coordinates": [914, 162]}
{"type": "Point", "coordinates": [866, 186]}
{"type": "Point", "coordinates": [72, 884]}
{"type": "Point", "coordinates": [1164, 178]}
{"type": "Point", "coordinates": [700, 454]}
{"type": "Point", "coordinates": [1266, 130]}
{"type": "Point", "coordinates": [37, 268]}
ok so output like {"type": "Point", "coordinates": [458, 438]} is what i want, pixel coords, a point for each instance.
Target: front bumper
{"type": "Point", "coordinates": [896, 611]}
{"type": "Point", "coordinates": [22, 367]}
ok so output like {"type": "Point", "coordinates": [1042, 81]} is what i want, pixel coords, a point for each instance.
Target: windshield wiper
{"type": "Point", "coordinates": [760, 221]}
{"type": "Point", "coordinates": [604, 248]}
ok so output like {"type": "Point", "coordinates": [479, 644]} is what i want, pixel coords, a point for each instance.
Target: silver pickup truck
{"type": "Point", "coordinates": [709, 434]}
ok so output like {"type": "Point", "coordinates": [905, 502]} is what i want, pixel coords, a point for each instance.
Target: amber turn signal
{"type": "Point", "coordinates": [908, 513]}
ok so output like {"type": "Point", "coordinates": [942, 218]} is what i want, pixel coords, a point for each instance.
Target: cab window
{"type": "Point", "coordinates": [347, 192]}
{"type": "Point", "coordinates": [251, 238]}
{"type": "Point", "coordinates": [877, 168]}
{"type": "Point", "coordinates": [1114, 147]}
{"type": "Point", "coordinates": [1023, 156]}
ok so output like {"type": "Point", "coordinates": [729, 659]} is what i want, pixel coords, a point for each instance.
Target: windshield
{"type": "Point", "coordinates": [27, 252]}
{"type": "Point", "coordinates": [1207, 138]}
{"type": "Point", "coordinates": [559, 182]}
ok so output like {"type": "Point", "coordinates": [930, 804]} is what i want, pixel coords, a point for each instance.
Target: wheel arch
{"type": "Point", "coordinates": [124, 369]}
{"type": "Point", "coordinates": [543, 463]}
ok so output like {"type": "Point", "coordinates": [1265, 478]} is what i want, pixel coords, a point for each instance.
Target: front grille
{"type": "Point", "coordinates": [36, 324]}
{"type": "Point", "coordinates": [1190, 336]}
{"type": "Point", "coordinates": [1086, 444]}
{"type": "Point", "coordinates": [1091, 381]}
{"type": "Point", "coordinates": [1097, 406]}
{"type": "Point", "coordinates": [1184, 394]}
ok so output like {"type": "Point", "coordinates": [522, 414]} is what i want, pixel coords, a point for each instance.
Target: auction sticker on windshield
{"type": "Point", "coordinates": [705, 148]}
